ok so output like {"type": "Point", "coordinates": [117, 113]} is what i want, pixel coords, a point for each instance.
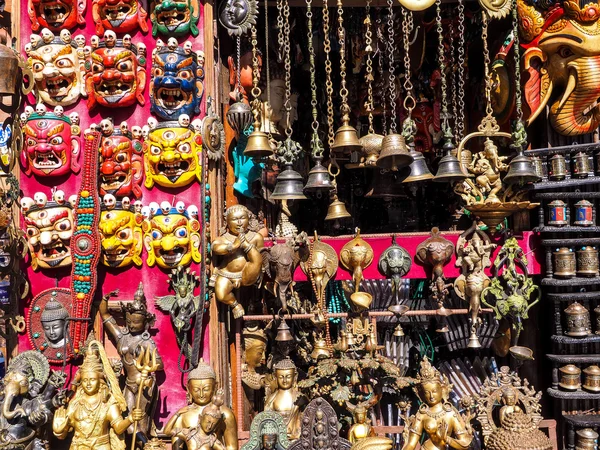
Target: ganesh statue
{"type": "Point", "coordinates": [56, 15]}
{"type": "Point", "coordinates": [49, 227]}
{"type": "Point", "coordinates": [172, 153]}
{"type": "Point", "coordinates": [562, 58]}
{"type": "Point", "coordinates": [51, 142]}
{"type": "Point", "coordinates": [171, 234]}
{"type": "Point", "coordinates": [176, 82]}
{"type": "Point", "coordinates": [121, 233]}
{"type": "Point", "coordinates": [120, 16]}
{"type": "Point", "coordinates": [57, 63]}
{"type": "Point", "coordinates": [121, 163]}
{"type": "Point", "coordinates": [115, 72]}
{"type": "Point", "coordinates": [175, 18]}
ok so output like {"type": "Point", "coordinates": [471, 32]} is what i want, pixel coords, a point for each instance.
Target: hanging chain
{"type": "Point", "coordinates": [256, 104]}
{"type": "Point", "coordinates": [238, 69]}
{"type": "Point", "coordinates": [519, 131]}
{"type": "Point", "coordinates": [444, 113]}
{"type": "Point", "coordinates": [452, 64]}
{"type": "Point", "coordinates": [409, 128]}
{"type": "Point", "coordinates": [345, 109]}
{"type": "Point", "coordinates": [316, 145]}
{"type": "Point", "coordinates": [288, 69]}
{"type": "Point", "coordinates": [391, 48]}
{"type": "Point", "coordinates": [369, 70]}
{"type": "Point", "coordinates": [486, 68]}
{"type": "Point", "coordinates": [460, 118]}
{"type": "Point", "coordinates": [280, 29]}
{"type": "Point", "coordinates": [328, 82]}
{"type": "Point", "coordinates": [380, 50]}
{"type": "Point", "coordinates": [267, 68]}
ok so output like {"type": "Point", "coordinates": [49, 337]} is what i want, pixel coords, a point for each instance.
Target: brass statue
{"type": "Point", "coordinates": [204, 436]}
{"type": "Point", "coordinates": [473, 252]}
{"type": "Point", "coordinates": [436, 416]}
{"type": "Point", "coordinates": [361, 428]}
{"type": "Point", "coordinates": [155, 444]}
{"type": "Point", "coordinates": [518, 417]}
{"type": "Point", "coordinates": [255, 344]}
{"type": "Point", "coordinates": [283, 399]}
{"type": "Point", "coordinates": [27, 397]}
{"type": "Point", "coordinates": [356, 256]}
{"type": "Point", "coordinates": [320, 268]}
{"type": "Point", "coordinates": [201, 388]}
{"type": "Point", "coordinates": [267, 432]}
{"type": "Point", "coordinates": [238, 260]}
{"type": "Point", "coordinates": [130, 340]}
{"type": "Point", "coordinates": [95, 412]}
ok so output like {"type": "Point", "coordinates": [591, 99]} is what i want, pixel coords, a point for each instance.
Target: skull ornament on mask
{"type": "Point", "coordinates": [172, 156]}
{"type": "Point", "coordinates": [121, 165]}
{"type": "Point", "coordinates": [115, 75]}
{"type": "Point", "coordinates": [51, 145]}
{"type": "Point", "coordinates": [175, 18]}
{"type": "Point", "coordinates": [121, 233]}
{"type": "Point", "coordinates": [57, 69]}
{"type": "Point", "coordinates": [171, 239]}
{"type": "Point", "coordinates": [49, 230]}
{"type": "Point", "coordinates": [120, 16]}
{"type": "Point", "coordinates": [562, 58]}
{"type": "Point", "coordinates": [56, 14]}
{"type": "Point", "coordinates": [176, 84]}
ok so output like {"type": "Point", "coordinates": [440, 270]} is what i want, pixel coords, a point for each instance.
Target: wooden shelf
{"type": "Point", "coordinates": [555, 195]}
{"type": "Point", "coordinates": [564, 149]}
{"type": "Point", "coordinates": [572, 296]}
{"type": "Point", "coordinates": [574, 359]}
{"type": "Point", "coordinates": [570, 282]}
{"type": "Point", "coordinates": [569, 182]}
{"type": "Point", "coordinates": [562, 242]}
{"type": "Point", "coordinates": [566, 229]}
{"type": "Point", "coordinates": [568, 340]}
{"type": "Point", "coordinates": [572, 395]}
{"type": "Point", "coordinates": [582, 420]}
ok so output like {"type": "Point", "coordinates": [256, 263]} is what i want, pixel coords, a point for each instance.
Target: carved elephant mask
{"type": "Point", "coordinates": [562, 59]}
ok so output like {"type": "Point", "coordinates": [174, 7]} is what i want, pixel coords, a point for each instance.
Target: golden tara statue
{"type": "Point", "coordinates": [238, 259]}
{"type": "Point", "coordinates": [255, 344]}
{"type": "Point", "coordinates": [283, 399]}
{"type": "Point", "coordinates": [201, 388]}
{"type": "Point", "coordinates": [436, 416]}
{"type": "Point", "coordinates": [95, 412]}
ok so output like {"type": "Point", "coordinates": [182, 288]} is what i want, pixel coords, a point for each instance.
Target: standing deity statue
{"type": "Point", "coordinates": [283, 398]}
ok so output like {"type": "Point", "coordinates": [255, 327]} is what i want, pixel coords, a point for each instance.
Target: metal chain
{"type": "Point", "coordinates": [288, 68]}
{"type": "Point", "coordinates": [407, 28]}
{"type": "Point", "coordinates": [256, 104]}
{"type": "Point", "coordinates": [316, 145]}
{"type": "Point", "coordinates": [441, 61]}
{"type": "Point", "coordinates": [391, 49]}
{"type": "Point", "coordinates": [381, 73]}
{"type": "Point", "coordinates": [486, 68]}
{"type": "Point", "coordinates": [267, 68]}
{"type": "Point", "coordinates": [369, 69]}
{"type": "Point", "coordinates": [280, 28]}
{"type": "Point", "coordinates": [328, 82]}
{"type": "Point", "coordinates": [238, 69]}
{"type": "Point", "coordinates": [345, 109]}
{"type": "Point", "coordinates": [452, 64]}
{"type": "Point", "coordinates": [460, 118]}
{"type": "Point", "coordinates": [517, 56]}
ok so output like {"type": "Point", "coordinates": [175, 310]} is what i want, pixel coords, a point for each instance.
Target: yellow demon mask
{"type": "Point", "coordinates": [121, 232]}
{"type": "Point", "coordinates": [172, 155]}
{"type": "Point", "coordinates": [171, 235]}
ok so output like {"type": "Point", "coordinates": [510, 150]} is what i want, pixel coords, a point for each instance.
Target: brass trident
{"type": "Point", "coordinates": [146, 364]}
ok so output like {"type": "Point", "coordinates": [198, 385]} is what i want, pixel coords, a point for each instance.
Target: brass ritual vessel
{"type": "Point", "coordinates": [584, 213]}
{"type": "Point", "coordinates": [578, 320]}
{"type": "Point", "coordinates": [564, 263]}
{"type": "Point", "coordinates": [591, 382]}
{"type": "Point", "coordinates": [581, 165]}
{"type": "Point", "coordinates": [558, 168]}
{"type": "Point", "coordinates": [570, 377]}
{"type": "Point", "coordinates": [587, 261]}
{"type": "Point", "coordinates": [558, 213]}
{"type": "Point", "coordinates": [586, 439]}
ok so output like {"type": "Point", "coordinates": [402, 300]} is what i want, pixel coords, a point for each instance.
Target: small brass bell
{"type": "Point", "coordinates": [521, 171]}
{"type": "Point", "coordinates": [289, 185]}
{"type": "Point", "coordinates": [398, 331]}
{"type": "Point", "coordinates": [284, 335]}
{"type": "Point", "coordinates": [239, 116]}
{"type": "Point", "coordinates": [394, 154]}
{"type": "Point", "coordinates": [346, 138]}
{"type": "Point", "coordinates": [371, 147]}
{"type": "Point", "coordinates": [449, 168]}
{"type": "Point", "coordinates": [337, 210]}
{"type": "Point", "coordinates": [318, 179]}
{"type": "Point", "coordinates": [418, 170]}
{"type": "Point", "coordinates": [350, 340]}
{"type": "Point", "coordinates": [320, 349]}
{"type": "Point", "coordinates": [258, 145]}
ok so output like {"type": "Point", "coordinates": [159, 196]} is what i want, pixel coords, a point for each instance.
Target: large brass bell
{"type": "Point", "coordinates": [239, 116]}
{"type": "Point", "coordinates": [346, 139]}
{"type": "Point", "coordinates": [289, 185]}
{"type": "Point", "coordinates": [258, 145]}
{"type": "Point", "coordinates": [394, 154]}
{"type": "Point", "coordinates": [337, 210]}
{"type": "Point", "coordinates": [449, 168]}
{"type": "Point", "coordinates": [521, 171]}
{"type": "Point", "coordinates": [284, 334]}
{"type": "Point", "coordinates": [318, 179]}
{"type": "Point", "coordinates": [418, 170]}
{"type": "Point", "coordinates": [385, 185]}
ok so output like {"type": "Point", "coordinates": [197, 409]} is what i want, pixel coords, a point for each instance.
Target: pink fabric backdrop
{"type": "Point", "coordinates": [171, 382]}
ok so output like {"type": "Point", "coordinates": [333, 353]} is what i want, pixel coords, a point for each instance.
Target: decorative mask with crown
{"type": "Point", "coordinates": [176, 82]}
{"type": "Point", "coordinates": [51, 142]}
{"type": "Point", "coordinates": [171, 234]}
{"type": "Point", "coordinates": [57, 66]}
{"type": "Point", "coordinates": [121, 231]}
{"type": "Point", "coordinates": [562, 58]}
{"type": "Point", "coordinates": [56, 15]}
{"type": "Point", "coordinates": [172, 153]}
{"type": "Point", "coordinates": [49, 227]}
{"type": "Point", "coordinates": [115, 72]}
{"type": "Point", "coordinates": [120, 16]}
{"type": "Point", "coordinates": [175, 18]}
{"type": "Point", "coordinates": [121, 166]}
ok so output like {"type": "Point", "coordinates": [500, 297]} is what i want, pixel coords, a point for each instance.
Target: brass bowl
{"type": "Point", "coordinates": [521, 353]}
{"type": "Point", "coordinates": [398, 310]}
{"type": "Point", "coordinates": [361, 301]}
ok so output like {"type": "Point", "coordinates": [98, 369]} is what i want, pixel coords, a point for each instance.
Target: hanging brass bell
{"type": "Point", "coordinates": [320, 349]}
{"type": "Point", "coordinates": [418, 170]}
{"type": "Point", "coordinates": [289, 185]}
{"type": "Point", "coordinates": [318, 179]}
{"type": "Point", "coordinates": [10, 70]}
{"type": "Point", "coordinates": [521, 171]}
{"type": "Point", "coordinates": [337, 210]}
{"type": "Point", "coordinates": [398, 331]}
{"type": "Point", "coordinates": [350, 339]}
{"type": "Point", "coordinates": [346, 140]}
{"type": "Point", "coordinates": [239, 116]}
{"type": "Point", "coordinates": [371, 147]}
{"type": "Point", "coordinates": [283, 333]}
{"type": "Point", "coordinates": [386, 185]}
{"type": "Point", "coordinates": [449, 168]}
{"type": "Point", "coordinates": [258, 145]}
{"type": "Point", "coordinates": [394, 154]}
